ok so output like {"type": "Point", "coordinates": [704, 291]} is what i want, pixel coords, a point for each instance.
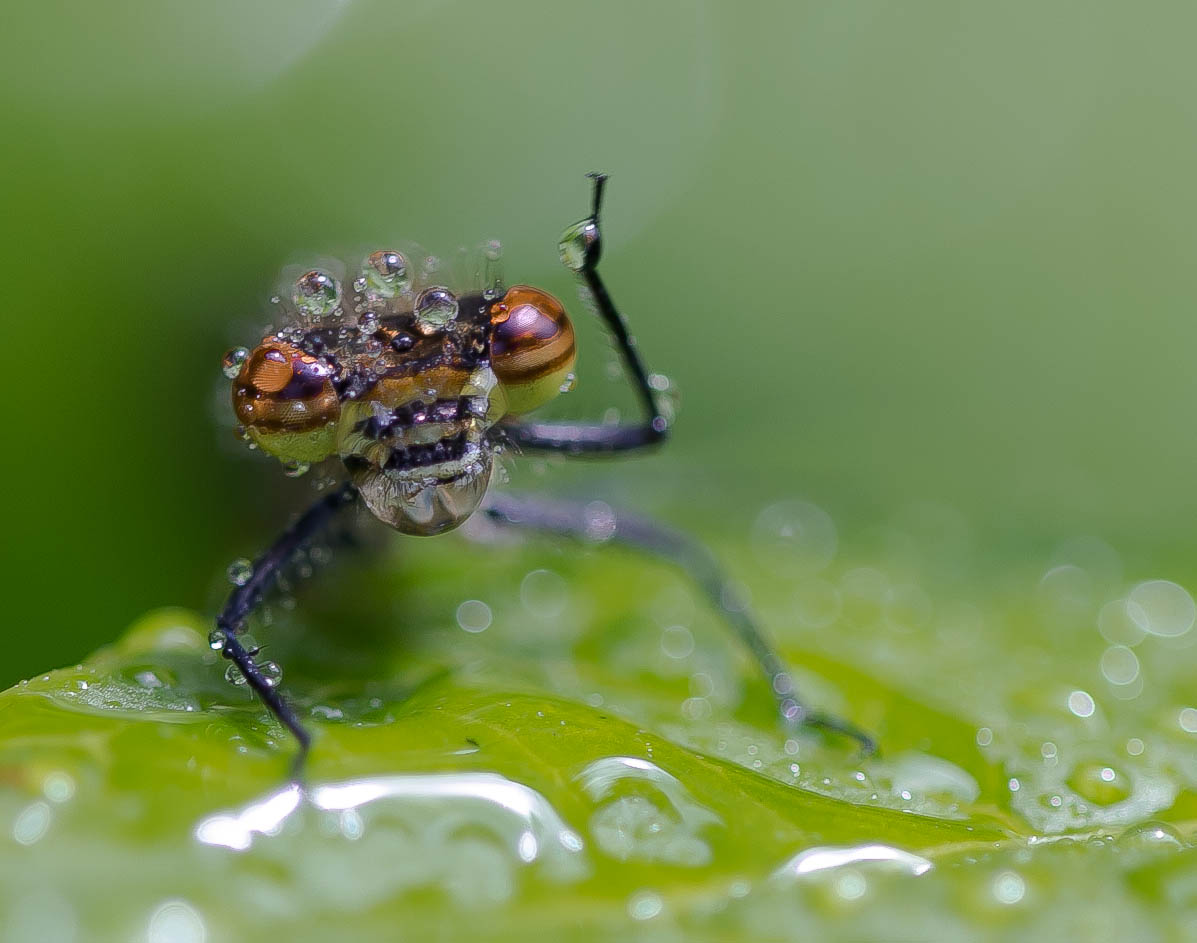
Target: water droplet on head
{"type": "Point", "coordinates": [240, 571]}
{"type": "Point", "coordinates": [316, 294]}
{"type": "Point", "coordinates": [230, 366]}
{"type": "Point", "coordinates": [216, 640]}
{"type": "Point", "coordinates": [576, 244]}
{"type": "Point", "coordinates": [435, 308]}
{"type": "Point", "coordinates": [385, 274]}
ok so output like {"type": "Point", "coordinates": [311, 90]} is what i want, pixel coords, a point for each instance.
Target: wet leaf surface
{"type": "Point", "coordinates": [575, 749]}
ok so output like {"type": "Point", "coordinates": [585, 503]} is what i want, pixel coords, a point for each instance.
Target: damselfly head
{"type": "Point", "coordinates": [404, 379]}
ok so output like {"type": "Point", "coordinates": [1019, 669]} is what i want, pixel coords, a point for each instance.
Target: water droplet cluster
{"type": "Point", "coordinates": [333, 341]}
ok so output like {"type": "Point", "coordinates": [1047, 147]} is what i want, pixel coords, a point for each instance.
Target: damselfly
{"type": "Point", "coordinates": [414, 388]}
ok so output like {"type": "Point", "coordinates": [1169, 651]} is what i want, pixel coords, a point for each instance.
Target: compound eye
{"type": "Point", "coordinates": [532, 346]}
{"type": "Point", "coordinates": [268, 370]}
{"type": "Point", "coordinates": [284, 397]}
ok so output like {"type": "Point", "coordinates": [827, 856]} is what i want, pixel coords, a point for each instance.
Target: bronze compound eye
{"type": "Point", "coordinates": [532, 346]}
{"type": "Point", "coordinates": [285, 399]}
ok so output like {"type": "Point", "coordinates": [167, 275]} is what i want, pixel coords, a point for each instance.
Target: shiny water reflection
{"type": "Point", "coordinates": [824, 858]}
{"type": "Point", "coordinates": [434, 805]}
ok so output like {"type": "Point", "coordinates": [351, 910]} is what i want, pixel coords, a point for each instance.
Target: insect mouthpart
{"type": "Point", "coordinates": [422, 466]}
{"type": "Point", "coordinates": [423, 503]}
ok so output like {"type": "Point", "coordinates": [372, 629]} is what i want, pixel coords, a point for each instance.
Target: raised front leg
{"type": "Point", "coordinates": [569, 518]}
{"type": "Point", "coordinates": [581, 248]}
{"type": "Point", "coordinates": [245, 598]}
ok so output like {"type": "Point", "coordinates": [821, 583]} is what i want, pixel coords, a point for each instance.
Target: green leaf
{"type": "Point", "coordinates": [558, 772]}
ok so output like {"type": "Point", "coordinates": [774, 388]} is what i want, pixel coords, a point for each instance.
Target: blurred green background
{"type": "Point", "coordinates": [889, 252]}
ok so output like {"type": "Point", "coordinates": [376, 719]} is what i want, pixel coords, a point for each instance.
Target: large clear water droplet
{"type": "Point", "coordinates": [576, 243]}
{"type": "Point", "coordinates": [316, 294]}
{"type": "Point", "coordinates": [231, 365]}
{"type": "Point", "coordinates": [385, 273]}
{"type": "Point", "coordinates": [1148, 839]}
{"type": "Point", "coordinates": [435, 308]}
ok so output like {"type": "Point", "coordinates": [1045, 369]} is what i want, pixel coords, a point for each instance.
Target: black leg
{"type": "Point", "coordinates": [570, 518]}
{"type": "Point", "coordinates": [244, 599]}
{"type": "Point", "coordinates": [576, 438]}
